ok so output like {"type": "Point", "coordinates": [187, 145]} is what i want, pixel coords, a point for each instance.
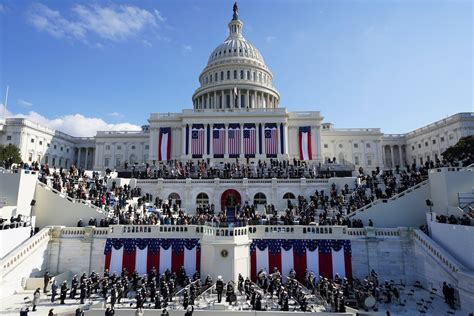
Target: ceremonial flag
{"type": "Point", "coordinates": [271, 140]}
{"type": "Point", "coordinates": [250, 143]}
{"type": "Point", "coordinates": [197, 140]}
{"type": "Point", "coordinates": [234, 140]}
{"type": "Point", "coordinates": [164, 145]}
{"type": "Point", "coordinates": [305, 143]}
{"type": "Point", "coordinates": [218, 140]}
{"type": "Point", "coordinates": [144, 254]}
{"type": "Point", "coordinates": [322, 257]}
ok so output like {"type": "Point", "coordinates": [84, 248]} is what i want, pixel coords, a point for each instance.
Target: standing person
{"type": "Point", "coordinates": [36, 298]}
{"type": "Point", "coordinates": [51, 313]}
{"type": "Point", "coordinates": [189, 311]}
{"type": "Point", "coordinates": [63, 294]}
{"type": "Point", "coordinates": [54, 290]}
{"type": "Point", "coordinates": [46, 279]}
{"type": "Point", "coordinates": [219, 288]}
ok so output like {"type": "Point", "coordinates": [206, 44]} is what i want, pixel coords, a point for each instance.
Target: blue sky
{"type": "Point", "coordinates": [85, 66]}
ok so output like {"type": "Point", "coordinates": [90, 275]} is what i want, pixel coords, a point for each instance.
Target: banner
{"type": "Point", "coordinates": [271, 140]}
{"type": "Point", "coordinates": [197, 140]}
{"type": "Point", "coordinates": [234, 140]}
{"type": "Point", "coordinates": [218, 140]}
{"type": "Point", "coordinates": [322, 257]}
{"type": "Point", "coordinates": [305, 143]}
{"type": "Point", "coordinates": [250, 140]}
{"type": "Point", "coordinates": [144, 254]}
{"type": "Point", "coordinates": [164, 144]}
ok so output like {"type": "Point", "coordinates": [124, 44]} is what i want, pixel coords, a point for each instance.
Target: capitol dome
{"type": "Point", "coordinates": [235, 76]}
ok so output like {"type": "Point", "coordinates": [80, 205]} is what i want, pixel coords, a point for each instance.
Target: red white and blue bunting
{"type": "Point", "coordinates": [322, 257]}
{"type": "Point", "coordinates": [142, 254]}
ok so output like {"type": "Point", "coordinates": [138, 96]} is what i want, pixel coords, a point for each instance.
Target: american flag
{"type": "Point", "coordinates": [218, 141]}
{"type": "Point", "coordinates": [234, 141]}
{"type": "Point", "coordinates": [197, 141]}
{"type": "Point", "coordinates": [271, 140]}
{"type": "Point", "coordinates": [249, 140]}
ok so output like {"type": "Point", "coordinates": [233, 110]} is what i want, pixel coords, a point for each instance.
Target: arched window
{"type": "Point", "coordinates": [288, 196]}
{"type": "Point", "coordinates": [259, 198]}
{"type": "Point", "coordinates": [202, 199]}
{"type": "Point", "coordinates": [174, 196]}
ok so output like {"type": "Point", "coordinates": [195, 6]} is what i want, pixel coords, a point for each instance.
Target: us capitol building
{"type": "Point", "coordinates": [236, 114]}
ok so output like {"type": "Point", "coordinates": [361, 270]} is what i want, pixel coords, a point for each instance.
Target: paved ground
{"type": "Point", "coordinates": [13, 304]}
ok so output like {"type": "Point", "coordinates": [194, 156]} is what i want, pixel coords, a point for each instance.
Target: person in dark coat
{"type": "Point", "coordinates": [219, 288]}
{"type": "Point", "coordinates": [63, 292]}
{"type": "Point", "coordinates": [46, 279]}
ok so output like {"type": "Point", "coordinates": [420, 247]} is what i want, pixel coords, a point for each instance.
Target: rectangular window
{"type": "Point", "coordinates": [47, 145]}
{"type": "Point", "coordinates": [367, 145]}
{"type": "Point", "coordinates": [215, 76]}
{"type": "Point", "coordinates": [442, 139]}
{"type": "Point", "coordinates": [451, 137]}
{"type": "Point", "coordinates": [9, 137]}
{"type": "Point", "coordinates": [55, 146]}
{"type": "Point", "coordinates": [356, 160]}
{"type": "Point", "coordinates": [369, 161]}
{"type": "Point", "coordinates": [412, 147]}
{"type": "Point", "coordinates": [30, 157]}
{"type": "Point", "coordinates": [241, 74]}
{"type": "Point", "coordinates": [117, 162]}
{"type": "Point", "coordinates": [32, 140]}
{"type": "Point", "coordinates": [326, 146]}
{"type": "Point", "coordinates": [106, 162]}
{"type": "Point", "coordinates": [133, 147]}
{"type": "Point", "coordinates": [41, 142]}
{"type": "Point", "coordinates": [46, 159]}
{"type": "Point", "coordinates": [248, 75]}
{"type": "Point", "coordinates": [426, 144]}
{"type": "Point", "coordinates": [235, 74]}
{"type": "Point", "coordinates": [61, 150]}
{"type": "Point", "coordinates": [119, 147]}
{"type": "Point", "coordinates": [67, 150]}
{"type": "Point", "coordinates": [147, 146]}
{"type": "Point", "coordinates": [434, 141]}
{"type": "Point", "coordinates": [107, 147]}
{"type": "Point", "coordinates": [356, 145]}
{"type": "Point", "coordinates": [419, 145]}
{"type": "Point", "coordinates": [54, 162]}
{"type": "Point", "coordinates": [228, 74]}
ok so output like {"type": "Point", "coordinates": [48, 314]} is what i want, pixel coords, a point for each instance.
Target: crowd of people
{"type": "Point", "coordinates": [241, 168]}
{"type": "Point", "coordinates": [465, 219]}
{"type": "Point", "coordinates": [15, 222]}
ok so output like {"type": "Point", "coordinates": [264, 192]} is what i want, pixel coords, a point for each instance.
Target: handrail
{"type": "Point", "coordinates": [440, 255]}
{"type": "Point", "coordinates": [392, 198]}
{"type": "Point", "coordinates": [17, 255]}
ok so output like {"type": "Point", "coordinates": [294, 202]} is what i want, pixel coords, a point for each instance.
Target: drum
{"type": "Point", "coordinates": [369, 301]}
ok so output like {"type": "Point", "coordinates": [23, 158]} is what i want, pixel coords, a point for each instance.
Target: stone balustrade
{"type": "Point", "coordinates": [22, 252]}
{"type": "Point", "coordinates": [440, 255]}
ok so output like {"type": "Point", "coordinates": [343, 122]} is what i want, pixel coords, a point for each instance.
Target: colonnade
{"type": "Point", "coordinates": [226, 99]}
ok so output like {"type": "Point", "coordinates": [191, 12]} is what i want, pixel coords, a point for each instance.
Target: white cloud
{"type": "Point", "coordinates": [2, 8]}
{"type": "Point", "coordinates": [113, 22]}
{"type": "Point", "coordinates": [74, 124]}
{"type": "Point", "coordinates": [270, 38]}
{"type": "Point", "coordinates": [24, 103]}
{"type": "Point", "coordinates": [147, 43]}
{"type": "Point", "coordinates": [186, 49]}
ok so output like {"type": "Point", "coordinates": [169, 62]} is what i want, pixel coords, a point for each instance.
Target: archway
{"type": "Point", "coordinates": [229, 200]}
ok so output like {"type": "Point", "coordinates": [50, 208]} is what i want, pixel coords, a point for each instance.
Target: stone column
{"type": "Point", "coordinates": [87, 158]}
{"type": "Point", "coordinates": [190, 138]}
{"type": "Point", "coordinates": [215, 100]}
{"type": "Point", "coordinates": [239, 99]}
{"type": "Point", "coordinates": [401, 155]}
{"type": "Point", "coordinates": [287, 136]}
{"type": "Point", "coordinates": [392, 157]}
{"type": "Point", "coordinates": [78, 157]}
{"type": "Point", "coordinates": [278, 139]}
{"type": "Point", "coordinates": [183, 132]}
{"type": "Point", "coordinates": [211, 140]}
{"type": "Point", "coordinates": [247, 101]}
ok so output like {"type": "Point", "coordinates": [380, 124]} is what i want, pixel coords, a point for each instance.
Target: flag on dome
{"type": "Point", "coordinates": [144, 254]}
{"type": "Point", "coordinates": [304, 141]}
{"type": "Point", "coordinates": [164, 144]}
{"type": "Point", "coordinates": [197, 140]}
{"type": "Point", "coordinates": [271, 140]}
{"type": "Point", "coordinates": [250, 143]}
{"type": "Point", "coordinates": [234, 140]}
{"type": "Point", "coordinates": [218, 140]}
{"type": "Point", "coordinates": [324, 258]}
